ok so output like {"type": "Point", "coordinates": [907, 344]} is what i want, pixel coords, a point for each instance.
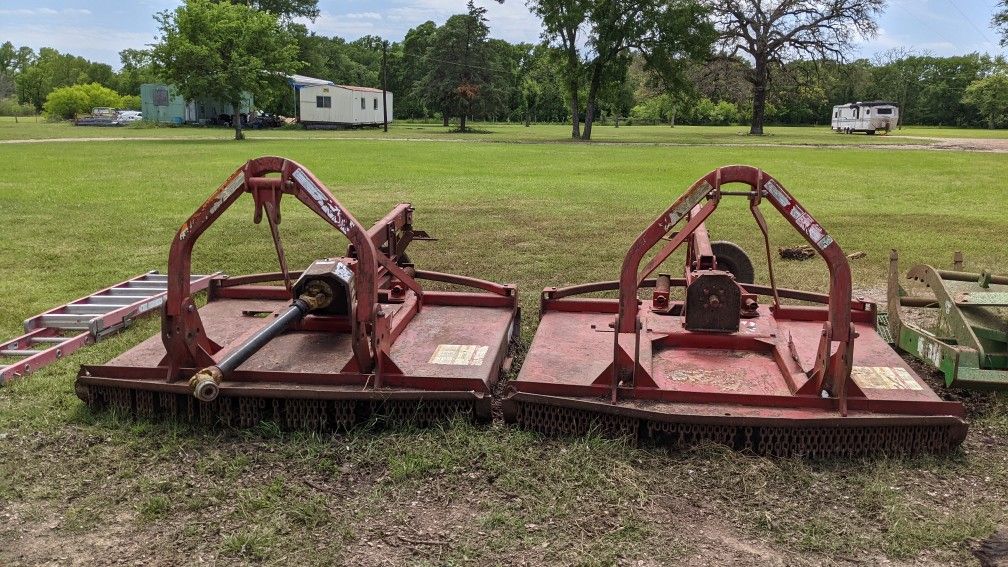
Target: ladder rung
{"type": "Point", "coordinates": [18, 352]}
{"type": "Point", "coordinates": [53, 340]}
{"type": "Point", "coordinates": [67, 321]}
{"type": "Point", "coordinates": [146, 285]}
{"type": "Point", "coordinates": [129, 292]}
{"type": "Point", "coordinates": [92, 309]}
{"type": "Point", "coordinates": [116, 300]}
{"type": "Point", "coordinates": [164, 278]}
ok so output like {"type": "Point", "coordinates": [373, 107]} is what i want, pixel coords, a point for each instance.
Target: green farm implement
{"type": "Point", "coordinates": [952, 320]}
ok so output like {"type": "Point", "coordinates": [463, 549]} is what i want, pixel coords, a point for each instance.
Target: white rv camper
{"type": "Point", "coordinates": [334, 106]}
{"type": "Point", "coordinates": [867, 117]}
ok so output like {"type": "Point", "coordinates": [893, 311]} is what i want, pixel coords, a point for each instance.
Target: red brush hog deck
{"type": "Point", "coordinates": [347, 339]}
{"type": "Point", "coordinates": [731, 363]}
{"type": "Point", "coordinates": [448, 352]}
{"type": "Point", "coordinates": [734, 391]}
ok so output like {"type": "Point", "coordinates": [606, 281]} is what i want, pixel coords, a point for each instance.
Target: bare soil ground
{"type": "Point", "coordinates": [236, 505]}
{"type": "Point", "coordinates": [997, 145]}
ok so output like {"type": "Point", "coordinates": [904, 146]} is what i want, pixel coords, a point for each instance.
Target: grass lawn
{"type": "Point", "coordinates": [31, 128]}
{"type": "Point", "coordinates": [79, 487]}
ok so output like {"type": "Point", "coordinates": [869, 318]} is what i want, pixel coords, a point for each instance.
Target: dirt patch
{"type": "Point", "coordinates": [993, 552]}
{"type": "Point", "coordinates": [996, 145]}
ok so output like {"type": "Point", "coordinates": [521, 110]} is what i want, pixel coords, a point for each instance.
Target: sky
{"type": "Point", "coordinates": [99, 29]}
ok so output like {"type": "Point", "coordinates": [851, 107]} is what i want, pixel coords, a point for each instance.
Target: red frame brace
{"type": "Point", "coordinates": [835, 354]}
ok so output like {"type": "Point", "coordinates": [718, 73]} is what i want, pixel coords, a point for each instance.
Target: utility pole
{"type": "Point", "coordinates": [384, 84]}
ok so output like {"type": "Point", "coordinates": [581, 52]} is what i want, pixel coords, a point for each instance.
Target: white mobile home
{"type": "Point", "coordinates": [334, 106]}
{"type": "Point", "coordinates": [867, 117]}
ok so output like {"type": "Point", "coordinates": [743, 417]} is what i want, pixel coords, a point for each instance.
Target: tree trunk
{"type": "Point", "coordinates": [760, 80]}
{"type": "Point", "coordinates": [672, 118]}
{"type": "Point", "coordinates": [593, 88]}
{"type": "Point", "coordinates": [573, 80]}
{"type": "Point", "coordinates": [236, 121]}
{"type": "Point", "coordinates": [575, 107]}
{"type": "Point", "coordinates": [444, 118]}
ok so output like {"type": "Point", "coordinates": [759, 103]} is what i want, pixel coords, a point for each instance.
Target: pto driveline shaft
{"type": "Point", "coordinates": [205, 384]}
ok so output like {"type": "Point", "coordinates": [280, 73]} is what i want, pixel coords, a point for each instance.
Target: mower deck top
{"type": "Point", "coordinates": [730, 362]}
{"type": "Point", "coordinates": [563, 360]}
{"type": "Point", "coordinates": [347, 339]}
{"type": "Point", "coordinates": [437, 344]}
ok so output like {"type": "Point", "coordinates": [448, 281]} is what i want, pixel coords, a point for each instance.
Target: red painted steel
{"type": "Point", "coordinates": [83, 321]}
{"type": "Point", "coordinates": [785, 362]}
{"type": "Point", "coordinates": [398, 340]}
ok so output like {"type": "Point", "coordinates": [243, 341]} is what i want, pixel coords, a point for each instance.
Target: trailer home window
{"type": "Point", "coordinates": [161, 96]}
{"type": "Point", "coordinates": [323, 102]}
{"type": "Point", "coordinates": [376, 104]}
{"type": "Point", "coordinates": [363, 105]}
{"type": "Point", "coordinates": [884, 111]}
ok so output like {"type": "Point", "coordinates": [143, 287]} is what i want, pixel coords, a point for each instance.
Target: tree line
{"type": "Point", "coordinates": [640, 61]}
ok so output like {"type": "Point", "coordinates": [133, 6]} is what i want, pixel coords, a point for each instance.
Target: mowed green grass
{"type": "Point", "coordinates": [40, 129]}
{"type": "Point", "coordinates": [79, 216]}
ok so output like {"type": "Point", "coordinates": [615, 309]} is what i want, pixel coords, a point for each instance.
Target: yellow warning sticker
{"type": "Point", "coordinates": [459, 355]}
{"type": "Point", "coordinates": [884, 378]}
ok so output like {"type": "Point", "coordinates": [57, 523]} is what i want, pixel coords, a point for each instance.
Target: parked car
{"type": "Point", "coordinates": [130, 115]}
{"type": "Point", "coordinates": [101, 116]}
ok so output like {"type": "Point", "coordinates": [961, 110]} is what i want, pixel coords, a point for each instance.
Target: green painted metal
{"type": "Point", "coordinates": [158, 104]}
{"type": "Point", "coordinates": [967, 338]}
{"type": "Point", "coordinates": [162, 103]}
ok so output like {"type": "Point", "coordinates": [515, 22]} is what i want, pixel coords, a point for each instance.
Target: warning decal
{"type": "Point", "coordinates": [777, 193]}
{"type": "Point", "coordinates": [884, 378]}
{"type": "Point", "coordinates": [459, 355]}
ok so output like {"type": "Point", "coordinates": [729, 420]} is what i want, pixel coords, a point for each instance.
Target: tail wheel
{"type": "Point", "coordinates": [732, 258]}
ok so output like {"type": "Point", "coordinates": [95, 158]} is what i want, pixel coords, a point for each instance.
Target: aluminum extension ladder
{"type": "Point", "coordinates": [64, 329]}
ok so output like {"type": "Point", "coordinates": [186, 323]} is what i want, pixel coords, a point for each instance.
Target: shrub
{"type": "Point", "coordinates": [130, 102]}
{"type": "Point", "coordinates": [10, 107]}
{"type": "Point", "coordinates": [990, 97]}
{"type": "Point", "coordinates": [76, 100]}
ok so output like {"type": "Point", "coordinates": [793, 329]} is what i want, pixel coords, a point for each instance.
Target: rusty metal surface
{"type": "Point", "coordinates": [961, 324]}
{"type": "Point", "coordinates": [311, 411]}
{"type": "Point", "coordinates": [394, 349]}
{"type": "Point", "coordinates": [326, 353]}
{"type": "Point", "coordinates": [766, 377]}
{"type": "Point", "coordinates": [789, 434]}
{"type": "Point", "coordinates": [563, 357]}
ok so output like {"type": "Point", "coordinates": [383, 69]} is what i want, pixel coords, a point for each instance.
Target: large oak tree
{"type": "Point", "coordinates": [1000, 21]}
{"type": "Point", "coordinates": [458, 60]}
{"type": "Point", "coordinates": [286, 10]}
{"type": "Point", "coordinates": [773, 32]}
{"type": "Point", "coordinates": [563, 22]}
{"type": "Point", "coordinates": [664, 31]}
{"type": "Point", "coordinates": [222, 50]}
